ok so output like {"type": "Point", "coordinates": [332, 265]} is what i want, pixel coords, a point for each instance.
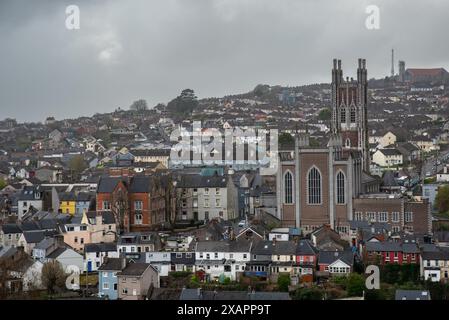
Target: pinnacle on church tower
{"type": "Point", "coordinates": [349, 109]}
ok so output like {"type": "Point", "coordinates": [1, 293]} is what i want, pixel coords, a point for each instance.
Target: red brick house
{"type": "Point", "coordinates": [138, 202]}
{"type": "Point", "coordinates": [391, 253]}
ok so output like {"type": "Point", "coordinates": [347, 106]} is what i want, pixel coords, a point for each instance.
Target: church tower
{"type": "Point", "coordinates": [349, 110]}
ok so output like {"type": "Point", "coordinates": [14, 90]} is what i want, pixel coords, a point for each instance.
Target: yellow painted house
{"type": "Point", "coordinates": [67, 203]}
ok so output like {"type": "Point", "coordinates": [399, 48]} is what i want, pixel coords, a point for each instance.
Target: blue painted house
{"type": "Point", "coordinates": [107, 277]}
{"type": "Point", "coordinates": [83, 202]}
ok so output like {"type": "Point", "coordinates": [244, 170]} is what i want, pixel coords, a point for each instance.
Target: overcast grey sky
{"type": "Point", "coordinates": [152, 49]}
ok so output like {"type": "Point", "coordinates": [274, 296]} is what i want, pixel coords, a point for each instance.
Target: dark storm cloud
{"type": "Point", "coordinates": [127, 50]}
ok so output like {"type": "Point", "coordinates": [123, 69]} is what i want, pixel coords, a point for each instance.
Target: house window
{"type": "Point", "coordinates": [206, 203]}
{"type": "Point", "coordinates": [76, 240]}
{"type": "Point", "coordinates": [83, 228]}
{"type": "Point", "coordinates": [138, 219]}
{"type": "Point", "coordinates": [395, 216]}
{"type": "Point", "coordinates": [340, 188]}
{"type": "Point", "coordinates": [288, 186]}
{"type": "Point", "coordinates": [408, 216]}
{"type": "Point", "coordinates": [195, 203]}
{"type": "Point", "coordinates": [105, 286]}
{"type": "Point", "coordinates": [106, 206]}
{"type": "Point", "coordinates": [217, 191]}
{"type": "Point", "coordinates": [206, 191]}
{"type": "Point", "coordinates": [138, 205]}
{"type": "Point", "coordinates": [125, 290]}
{"type": "Point", "coordinates": [216, 255]}
{"type": "Point", "coordinates": [217, 203]}
{"type": "Point", "coordinates": [358, 216]}
{"type": "Point", "coordinates": [383, 216]}
{"type": "Point", "coordinates": [371, 216]}
{"type": "Point", "coordinates": [178, 255]}
{"type": "Point", "coordinates": [314, 186]}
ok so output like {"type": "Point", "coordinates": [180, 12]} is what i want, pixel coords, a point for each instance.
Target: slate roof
{"type": "Point", "coordinates": [412, 295]}
{"type": "Point", "coordinates": [100, 247]}
{"type": "Point", "coordinates": [439, 254]}
{"type": "Point", "coordinates": [108, 216]}
{"type": "Point", "coordinates": [111, 264]}
{"type": "Point", "coordinates": [387, 246]}
{"type": "Point", "coordinates": [329, 257]}
{"type": "Point", "coordinates": [141, 184]}
{"type": "Point", "coordinates": [56, 253]}
{"type": "Point", "coordinates": [134, 269]}
{"type": "Point", "coordinates": [196, 181]}
{"type": "Point", "coordinates": [108, 184]}
{"type": "Point", "coordinates": [151, 152]}
{"type": "Point", "coordinates": [34, 236]}
{"type": "Point", "coordinates": [303, 247]}
{"type": "Point", "coordinates": [67, 196]}
{"type": "Point", "coordinates": [223, 246]}
{"type": "Point", "coordinates": [10, 228]}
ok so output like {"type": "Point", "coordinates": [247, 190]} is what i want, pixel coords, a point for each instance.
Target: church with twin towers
{"type": "Point", "coordinates": [331, 184]}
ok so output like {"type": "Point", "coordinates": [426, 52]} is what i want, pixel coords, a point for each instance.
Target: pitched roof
{"type": "Point", "coordinates": [56, 253]}
{"type": "Point", "coordinates": [141, 184]}
{"type": "Point", "coordinates": [196, 181]}
{"type": "Point", "coordinates": [10, 228]}
{"type": "Point", "coordinates": [111, 264]}
{"type": "Point", "coordinates": [412, 295]}
{"type": "Point", "coordinates": [388, 246]}
{"type": "Point", "coordinates": [390, 152]}
{"type": "Point", "coordinates": [108, 184]}
{"type": "Point", "coordinates": [100, 247]}
{"type": "Point", "coordinates": [329, 257]}
{"type": "Point", "coordinates": [135, 269]}
{"type": "Point", "coordinates": [108, 216]}
{"type": "Point", "coordinates": [223, 246]}
{"type": "Point", "coordinates": [34, 236]}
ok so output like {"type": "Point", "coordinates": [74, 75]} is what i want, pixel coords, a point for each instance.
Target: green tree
{"type": "Point", "coordinates": [355, 285]}
{"type": "Point", "coordinates": [2, 184]}
{"type": "Point", "coordinates": [283, 282]}
{"type": "Point", "coordinates": [442, 200]}
{"type": "Point", "coordinates": [325, 114]}
{"type": "Point", "coordinates": [77, 165]}
{"type": "Point", "coordinates": [139, 105]}
{"type": "Point", "coordinates": [183, 104]}
{"type": "Point", "coordinates": [308, 294]}
{"type": "Point", "coordinates": [261, 89]}
{"type": "Point", "coordinates": [285, 139]}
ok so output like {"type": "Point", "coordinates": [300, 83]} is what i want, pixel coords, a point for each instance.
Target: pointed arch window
{"type": "Point", "coordinates": [288, 187]}
{"type": "Point", "coordinates": [314, 186]}
{"type": "Point", "coordinates": [341, 198]}
{"type": "Point", "coordinates": [343, 115]}
{"type": "Point", "coordinates": [353, 115]}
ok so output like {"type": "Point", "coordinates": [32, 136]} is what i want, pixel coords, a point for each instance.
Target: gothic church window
{"type": "Point", "coordinates": [340, 188]}
{"type": "Point", "coordinates": [314, 186]}
{"type": "Point", "coordinates": [288, 188]}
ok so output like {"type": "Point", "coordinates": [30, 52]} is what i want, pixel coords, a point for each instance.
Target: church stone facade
{"type": "Point", "coordinates": [331, 185]}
